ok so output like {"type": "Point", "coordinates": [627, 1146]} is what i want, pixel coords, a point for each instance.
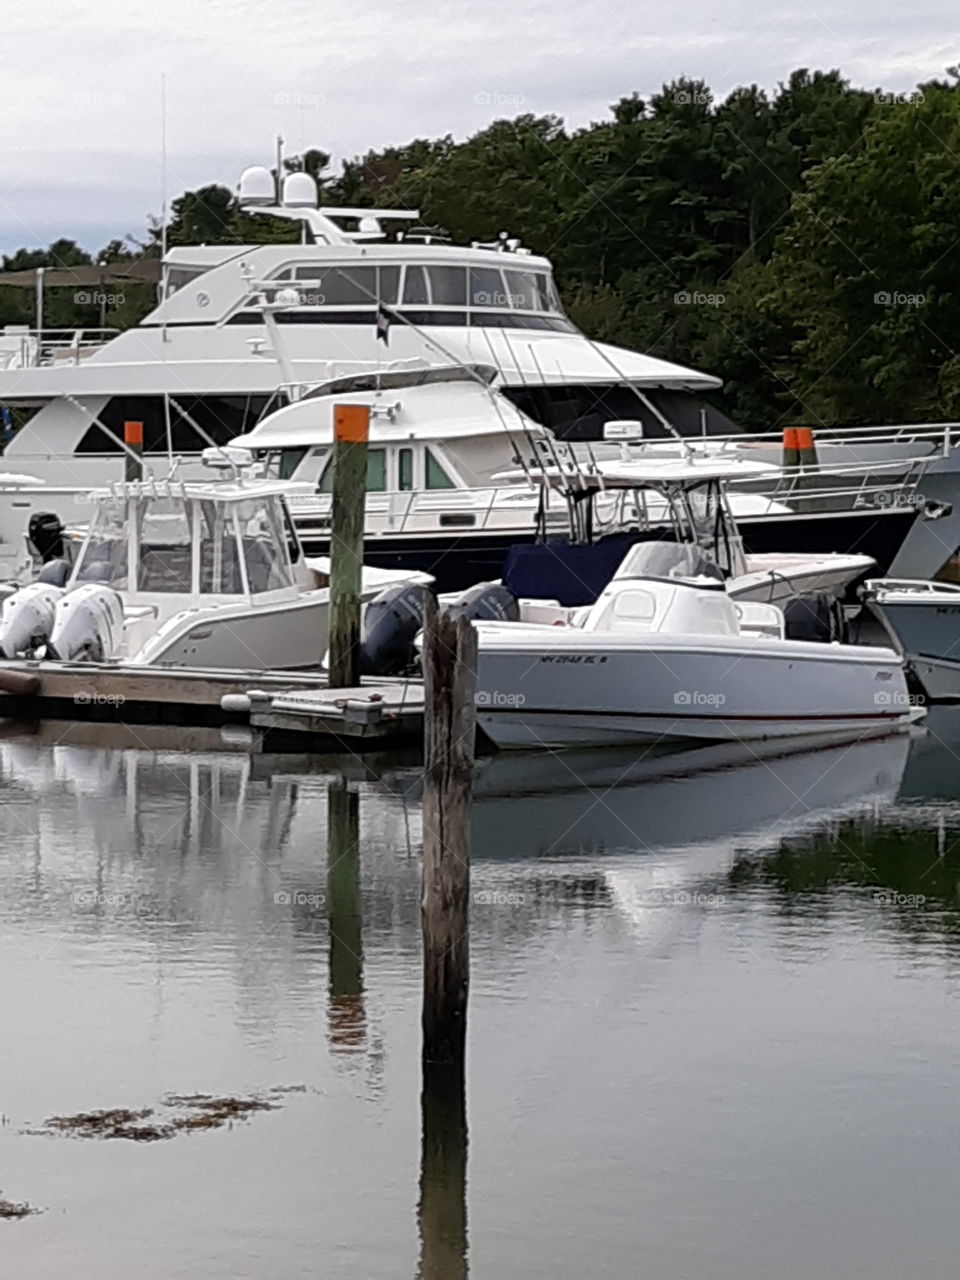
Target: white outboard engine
{"type": "Point", "coordinates": [88, 625]}
{"type": "Point", "coordinates": [27, 619]}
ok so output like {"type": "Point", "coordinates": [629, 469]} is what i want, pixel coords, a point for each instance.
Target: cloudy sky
{"type": "Point", "coordinates": [80, 133]}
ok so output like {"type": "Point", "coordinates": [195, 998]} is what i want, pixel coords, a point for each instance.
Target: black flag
{"type": "Point", "coordinates": [383, 325]}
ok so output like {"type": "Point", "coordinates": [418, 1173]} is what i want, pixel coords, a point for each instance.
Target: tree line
{"type": "Point", "coordinates": [801, 244]}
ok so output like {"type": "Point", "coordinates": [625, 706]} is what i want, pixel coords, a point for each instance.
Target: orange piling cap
{"type": "Point", "coordinates": [351, 423]}
{"type": "Point", "coordinates": [133, 433]}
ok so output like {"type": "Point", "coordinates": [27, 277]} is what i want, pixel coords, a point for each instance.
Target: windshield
{"type": "Point", "coordinates": [667, 560]}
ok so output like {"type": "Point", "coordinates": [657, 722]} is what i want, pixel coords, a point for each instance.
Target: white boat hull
{"type": "Point", "coordinates": [541, 687]}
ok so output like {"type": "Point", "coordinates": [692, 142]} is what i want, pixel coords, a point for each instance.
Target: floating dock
{"type": "Point", "coordinates": [294, 707]}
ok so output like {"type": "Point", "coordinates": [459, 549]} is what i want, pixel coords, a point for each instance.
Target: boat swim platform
{"type": "Point", "coordinates": [293, 707]}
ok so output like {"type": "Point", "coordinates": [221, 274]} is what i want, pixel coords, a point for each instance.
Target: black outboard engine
{"type": "Point", "coordinates": [486, 602]}
{"type": "Point", "coordinates": [815, 617]}
{"type": "Point", "coordinates": [45, 532]}
{"type": "Point", "coordinates": [390, 624]}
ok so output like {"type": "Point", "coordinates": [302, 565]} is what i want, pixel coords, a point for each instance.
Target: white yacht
{"type": "Point", "coordinates": [183, 574]}
{"type": "Point", "coordinates": [239, 328]}
{"type": "Point", "coordinates": [683, 644]}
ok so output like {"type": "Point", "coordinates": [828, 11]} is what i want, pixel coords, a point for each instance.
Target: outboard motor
{"type": "Point", "coordinates": [391, 621]}
{"type": "Point", "coordinates": [87, 625]}
{"type": "Point", "coordinates": [45, 534]}
{"type": "Point", "coordinates": [486, 602]}
{"type": "Point", "coordinates": [27, 619]}
{"type": "Point", "coordinates": [816, 617]}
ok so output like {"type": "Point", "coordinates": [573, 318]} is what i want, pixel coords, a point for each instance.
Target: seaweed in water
{"type": "Point", "coordinates": [119, 1122]}
{"type": "Point", "coordinates": [208, 1112]}
{"type": "Point", "coordinates": [198, 1111]}
{"type": "Point", "coordinates": [14, 1211]}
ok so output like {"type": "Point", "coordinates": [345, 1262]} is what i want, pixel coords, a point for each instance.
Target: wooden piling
{"type": "Point", "coordinates": [449, 668]}
{"type": "Point", "coordinates": [351, 429]}
{"type": "Point", "coordinates": [133, 456]}
{"type": "Point", "coordinates": [347, 1018]}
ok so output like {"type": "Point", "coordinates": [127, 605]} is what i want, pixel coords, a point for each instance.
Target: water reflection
{"type": "Point", "coordinates": [181, 919]}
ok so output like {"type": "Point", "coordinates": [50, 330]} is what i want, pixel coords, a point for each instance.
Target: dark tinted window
{"type": "Point", "coordinates": [219, 417]}
{"type": "Point", "coordinates": [486, 288]}
{"type": "Point", "coordinates": [415, 285]}
{"type": "Point", "coordinates": [448, 286]}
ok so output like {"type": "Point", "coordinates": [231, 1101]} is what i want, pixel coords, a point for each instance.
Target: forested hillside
{"type": "Point", "coordinates": [803, 245]}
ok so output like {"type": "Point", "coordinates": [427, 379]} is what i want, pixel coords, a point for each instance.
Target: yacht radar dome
{"type": "Point", "coordinates": [299, 191]}
{"type": "Point", "coordinates": [257, 186]}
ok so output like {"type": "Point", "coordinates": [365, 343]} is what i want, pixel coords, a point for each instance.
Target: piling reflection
{"type": "Point", "coordinates": [347, 1019]}
{"type": "Point", "coordinates": [442, 1209]}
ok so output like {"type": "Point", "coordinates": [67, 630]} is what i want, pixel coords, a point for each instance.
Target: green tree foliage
{"type": "Point", "coordinates": [801, 244]}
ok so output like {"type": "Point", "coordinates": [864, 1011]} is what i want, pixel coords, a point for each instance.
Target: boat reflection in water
{"type": "Point", "coordinates": [174, 920]}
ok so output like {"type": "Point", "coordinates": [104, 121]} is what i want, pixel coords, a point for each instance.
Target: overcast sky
{"type": "Point", "coordinates": [80, 133]}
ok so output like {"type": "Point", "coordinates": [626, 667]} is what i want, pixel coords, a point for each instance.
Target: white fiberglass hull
{"type": "Point", "coordinates": [775, 578]}
{"type": "Point", "coordinates": [287, 636]}
{"type": "Point", "coordinates": [547, 687]}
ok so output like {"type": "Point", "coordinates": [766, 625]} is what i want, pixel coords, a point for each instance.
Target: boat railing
{"type": "Point", "coordinates": [883, 486]}
{"type": "Point", "coordinates": [23, 348]}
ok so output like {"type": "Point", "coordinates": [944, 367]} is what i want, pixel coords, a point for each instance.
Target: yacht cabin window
{"type": "Point", "coordinates": [436, 477]}
{"type": "Point", "coordinates": [405, 470]}
{"type": "Point", "coordinates": [376, 473]}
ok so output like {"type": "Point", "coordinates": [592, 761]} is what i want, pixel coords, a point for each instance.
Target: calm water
{"type": "Point", "coordinates": [713, 1028]}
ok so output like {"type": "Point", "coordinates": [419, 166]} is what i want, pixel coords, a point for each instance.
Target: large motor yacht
{"type": "Point", "coordinates": [206, 363]}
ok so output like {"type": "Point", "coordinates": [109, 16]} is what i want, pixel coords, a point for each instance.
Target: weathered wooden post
{"type": "Point", "coordinates": [133, 455]}
{"type": "Point", "coordinates": [449, 669]}
{"type": "Point", "coordinates": [351, 429]}
{"type": "Point", "coordinates": [347, 1020]}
